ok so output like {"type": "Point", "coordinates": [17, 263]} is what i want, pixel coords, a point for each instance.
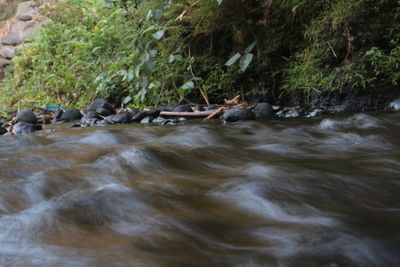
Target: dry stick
{"type": "Point", "coordinates": [215, 113]}
{"type": "Point", "coordinates": [187, 114]}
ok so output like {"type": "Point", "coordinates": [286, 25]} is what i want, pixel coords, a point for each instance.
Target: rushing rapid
{"type": "Point", "coordinates": [302, 192]}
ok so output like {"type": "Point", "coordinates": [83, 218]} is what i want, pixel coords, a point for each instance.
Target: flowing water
{"type": "Point", "coordinates": [302, 192]}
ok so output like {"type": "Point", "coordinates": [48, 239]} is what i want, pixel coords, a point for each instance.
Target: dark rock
{"type": "Point", "coordinates": [183, 108]}
{"type": "Point", "coordinates": [101, 103]}
{"type": "Point", "coordinates": [395, 105]}
{"type": "Point", "coordinates": [211, 108]}
{"type": "Point", "coordinates": [146, 113]}
{"type": "Point", "coordinates": [75, 125]}
{"type": "Point", "coordinates": [71, 114]}
{"type": "Point", "coordinates": [199, 108]}
{"type": "Point", "coordinates": [26, 115]}
{"type": "Point", "coordinates": [3, 130]}
{"type": "Point", "coordinates": [262, 110]}
{"type": "Point", "coordinates": [26, 128]}
{"type": "Point", "coordinates": [280, 113]}
{"type": "Point", "coordinates": [44, 121]}
{"type": "Point", "coordinates": [315, 113]}
{"type": "Point", "coordinates": [160, 120]}
{"type": "Point", "coordinates": [293, 113]}
{"type": "Point", "coordinates": [173, 121]}
{"type": "Point", "coordinates": [90, 120]}
{"type": "Point", "coordinates": [90, 117]}
{"type": "Point", "coordinates": [146, 120]}
{"type": "Point", "coordinates": [169, 107]}
{"type": "Point", "coordinates": [123, 117]}
{"type": "Point", "coordinates": [237, 114]}
{"type": "Point", "coordinates": [103, 112]}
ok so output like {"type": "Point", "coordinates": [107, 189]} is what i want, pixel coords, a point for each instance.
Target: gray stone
{"type": "Point", "coordinates": [183, 108]}
{"type": "Point", "coordinates": [293, 113]}
{"type": "Point", "coordinates": [14, 38]}
{"type": "Point", "coordinates": [315, 113]}
{"type": "Point", "coordinates": [26, 128]}
{"type": "Point", "coordinates": [280, 114]}
{"type": "Point", "coordinates": [91, 117]}
{"type": "Point", "coordinates": [26, 115]}
{"type": "Point", "coordinates": [123, 117]}
{"type": "Point", "coordinates": [395, 105]}
{"type": "Point", "coordinates": [146, 120]}
{"type": "Point", "coordinates": [4, 62]}
{"type": "Point", "coordinates": [26, 11]}
{"type": "Point", "coordinates": [100, 103]}
{"type": "Point", "coordinates": [7, 52]}
{"type": "Point", "coordinates": [237, 114]}
{"type": "Point", "coordinates": [103, 112]}
{"type": "Point", "coordinates": [71, 114]}
{"type": "Point", "coordinates": [146, 113]}
{"type": "Point", "coordinates": [262, 110]}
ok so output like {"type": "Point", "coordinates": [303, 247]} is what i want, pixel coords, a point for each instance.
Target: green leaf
{"type": "Point", "coordinates": [158, 35]}
{"type": "Point", "coordinates": [250, 47]}
{"type": "Point", "coordinates": [245, 61]}
{"type": "Point", "coordinates": [188, 85]}
{"type": "Point", "coordinates": [127, 100]}
{"type": "Point", "coordinates": [233, 60]}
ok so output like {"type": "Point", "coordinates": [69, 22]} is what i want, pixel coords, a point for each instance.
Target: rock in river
{"type": "Point", "coordinates": [26, 128]}
{"type": "Point", "coordinates": [26, 115]}
{"type": "Point", "coordinates": [237, 114]}
{"type": "Point", "coordinates": [395, 105]}
{"type": "Point", "coordinates": [123, 117]}
{"type": "Point", "coordinates": [183, 108]}
{"type": "Point", "coordinates": [262, 110]}
{"type": "Point", "coordinates": [71, 114]}
{"type": "Point", "coordinates": [146, 113]}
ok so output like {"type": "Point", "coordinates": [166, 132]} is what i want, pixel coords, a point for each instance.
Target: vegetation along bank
{"type": "Point", "coordinates": [330, 55]}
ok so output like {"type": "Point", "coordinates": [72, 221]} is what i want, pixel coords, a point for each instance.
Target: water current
{"type": "Point", "coordinates": [293, 192]}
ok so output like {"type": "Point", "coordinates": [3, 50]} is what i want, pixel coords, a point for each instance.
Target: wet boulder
{"type": "Point", "coordinates": [26, 128]}
{"type": "Point", "coordinates": [262, 110]}
{"type": "Point", "coordinates": [104, 112]}
{"type": "Point", "coordinates": [169, 107]}
{"type": "Point", "coordinates": [237, 114]}
{"type": "Point", "coordinates": [211, 108]}
{"type": "Point", "coordinates": [7, 52]}
{"type": "Point", "coordinates": [146, 120]}
{"type": "Point", "coordinates": [146, 113]}
{"type": "Point", "coordinates": [91, 117]}
{"type": "Point", "coordinates": [315, 113]}
{"type": "Point", "coordinates": [71, 114]}
{"type": "Point", "coordinates": [183, 108]}
{"type": "Point", "coordinates": [293, 113]}
{"type": "Point", "coordinates": [100, 105]}
{"type": "Point", "coordinates": [3, 129]}
{"type": "Point", "coordinates": [160, 120]}
{"type": "Point", "coordinates": [26, 115]}
{"type": "Point", "coordinates": [395, 105]}
{"type": "Point", "coordinates": [280, 114]}
{"type": "Point", "coordinates": [123, 117]}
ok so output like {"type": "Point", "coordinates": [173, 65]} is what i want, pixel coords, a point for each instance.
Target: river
{"type": "Point", "coordinates": [295, 192]}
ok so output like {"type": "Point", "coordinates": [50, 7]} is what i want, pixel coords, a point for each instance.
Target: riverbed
{"type": "Point", "coordinates": [284, 192]}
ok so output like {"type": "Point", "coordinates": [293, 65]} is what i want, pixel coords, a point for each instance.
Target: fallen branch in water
{"type": "Point", "coordinates": [187, 114]}
{"type": "Point", "coordinates": [214, 113]}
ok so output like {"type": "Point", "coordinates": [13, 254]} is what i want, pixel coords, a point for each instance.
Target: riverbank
{"type": "Point", "coordinates": [103, 113]}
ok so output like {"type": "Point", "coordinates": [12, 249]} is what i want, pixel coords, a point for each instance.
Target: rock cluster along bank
{"type": "Point", "coordinates": [18, 30]}
{"type": "Point", "coordinates": [101, 113]}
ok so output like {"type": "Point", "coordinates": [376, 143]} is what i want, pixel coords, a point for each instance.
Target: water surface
{"type": "Point", "coordinates": [301, 192]}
